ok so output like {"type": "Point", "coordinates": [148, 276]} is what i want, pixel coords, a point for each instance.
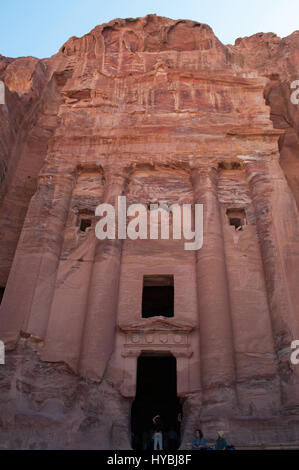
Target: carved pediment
{"type": "Point", "coordinates": [157, 325]}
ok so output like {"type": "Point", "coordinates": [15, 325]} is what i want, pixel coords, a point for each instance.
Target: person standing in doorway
{"type": "Point", "coordinates": [158, 434]}
{"type": "Point", "coordinates": [157, 421]}
{"type": "Point", "coordinates": [158, 439]}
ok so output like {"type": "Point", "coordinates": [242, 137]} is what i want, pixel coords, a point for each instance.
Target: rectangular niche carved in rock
{"type": "Point", "coordinates": [2, 290]}
{"type": "Point", "coordinates": [85, 224]}
{"type": "Point", "coordinates": [85, 220]}
{"type": "Point", "coordinates": [237, 218]}
{"type": "Point", "coordinates": [158, 296]}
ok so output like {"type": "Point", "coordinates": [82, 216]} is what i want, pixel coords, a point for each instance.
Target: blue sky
{"type": "Point", "coordinates": [40, 27]}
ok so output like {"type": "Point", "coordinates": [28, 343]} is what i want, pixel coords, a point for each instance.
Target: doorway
{"type": "Point", "coordinates": [156, 394]}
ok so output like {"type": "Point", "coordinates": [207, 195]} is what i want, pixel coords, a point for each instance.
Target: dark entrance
{"type": "Point", "coordinates": [156, 394]}
{"type": "Point", "coordinates": [2, 290]}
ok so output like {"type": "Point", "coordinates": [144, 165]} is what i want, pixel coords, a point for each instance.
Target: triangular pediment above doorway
{"type": "Point", "coordinates": [157, 324]}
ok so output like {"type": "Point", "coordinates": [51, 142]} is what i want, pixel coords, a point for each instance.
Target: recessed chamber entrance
{"type": "Point", "coordinates": [156, 394]}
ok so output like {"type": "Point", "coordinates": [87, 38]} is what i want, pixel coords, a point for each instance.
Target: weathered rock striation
{"type": "Point", "coordinates": [157, 110]}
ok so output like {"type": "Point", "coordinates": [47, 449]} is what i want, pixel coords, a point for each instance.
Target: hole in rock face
{"type": "Point", "coordinates": [85, 219]}
{"type": "Point", "coordinates": [237, 218]}
{"type": "Point", "coordinates": [229, 165]}
{"type": "Point", "coordinates": [236, 166]}
{"type": "Point", "coordinates": [85, 224]}
{"type": "Point", "coordinates": [2, 290]}
{"type": "Point", "coordinates": [158, 296]}
{"type": "Point", "coordinates": [237, 223]}
{"type": "Point", "coordinates": [156, 394]}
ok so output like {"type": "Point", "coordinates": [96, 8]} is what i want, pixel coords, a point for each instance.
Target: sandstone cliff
{"type": "Point", "coordinates": [137, 105]}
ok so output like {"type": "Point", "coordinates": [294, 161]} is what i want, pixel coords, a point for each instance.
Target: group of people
{"type": "Point", "coordinates": [199, 442]}
{"type": "Point", "coordinates": [162, 438]}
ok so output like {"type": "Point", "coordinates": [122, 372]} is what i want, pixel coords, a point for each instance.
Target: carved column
{"type": "Point", "coordinates": [67, 316]}
{"type": "Point", "coordinates": [30, 287]}
{"type": "Point", "coordinates": [216, 336]}
{"type": "Point", "coordinates": [100, 323]}
{"type": "Point", "coordinates": [278, 234]}
{"type": "Point", "coordinates": [128, 386]}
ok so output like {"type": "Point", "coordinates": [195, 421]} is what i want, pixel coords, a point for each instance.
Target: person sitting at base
{"type": "Point", "coordinates": [199, 442]}
{"type": "Point", "coordinates": [221, 443]}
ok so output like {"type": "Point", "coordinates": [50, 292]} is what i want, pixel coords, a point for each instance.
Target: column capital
{"type": "Point", "coordinates": [203, 163]}
{"type": "Point", "coordinates": [204, 177]}
{"type": "Point", "coordinates": [116, 177]}
{"type": "Point", "coordinates": [253, 168]}
{"type": "Point", "coordinates": [258, 177]}
{"type": "Point", "coordinates": [252, 163]}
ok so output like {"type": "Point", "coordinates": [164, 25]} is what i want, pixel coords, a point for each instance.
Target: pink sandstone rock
{"type": "Point", "coordinates": [157, 110]}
